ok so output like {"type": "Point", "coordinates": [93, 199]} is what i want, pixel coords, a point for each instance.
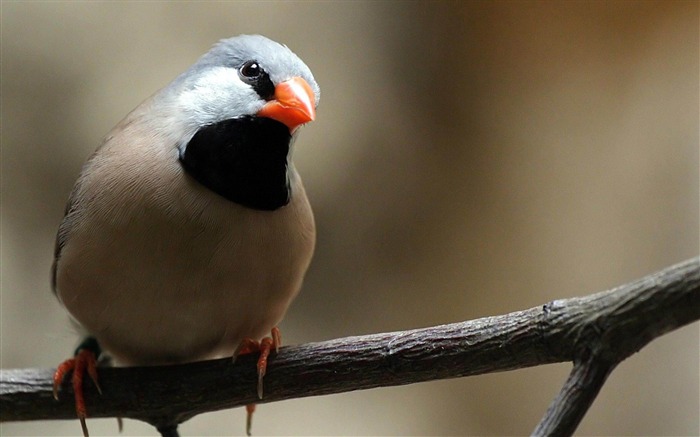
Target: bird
{"type": "Point", "coordinates": [188, 232]}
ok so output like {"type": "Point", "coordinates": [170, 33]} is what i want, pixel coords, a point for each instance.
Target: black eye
{"type": "Point", "coordinates": [253, 74]}
{"type": "Point", "coordinates": [250, 72]}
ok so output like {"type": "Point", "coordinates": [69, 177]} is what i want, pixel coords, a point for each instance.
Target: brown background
{"type": "Point", "coordinates": [469, 159]}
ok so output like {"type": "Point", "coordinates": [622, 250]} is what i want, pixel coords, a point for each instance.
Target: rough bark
{"type": "Point", "coordinates": [595, 332]}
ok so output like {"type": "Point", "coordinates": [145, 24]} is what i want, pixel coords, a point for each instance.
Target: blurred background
{"type": "Point", "coordinates": [468, 159]}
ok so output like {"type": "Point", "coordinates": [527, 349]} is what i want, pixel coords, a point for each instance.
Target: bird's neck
{"type": "Point", "coordinates": [244, 160]}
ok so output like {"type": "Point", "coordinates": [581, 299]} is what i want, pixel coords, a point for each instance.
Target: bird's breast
{"type": "Point", "coordinates": [161, 269]}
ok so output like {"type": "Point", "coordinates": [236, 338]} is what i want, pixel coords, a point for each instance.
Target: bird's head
{"type": "Point", "coordinates": [239, 107]}
{"type": "Point", "coordinates": [248, 76]}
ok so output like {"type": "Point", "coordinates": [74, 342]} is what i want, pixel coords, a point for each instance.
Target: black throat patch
{"type": "Point", "coordinates": [243, 160]}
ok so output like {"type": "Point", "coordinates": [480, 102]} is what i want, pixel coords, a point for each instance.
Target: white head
{"type": "Point", "coordinates": [233, 116]}
{"type": "Point", "coordinates": [215, 87]}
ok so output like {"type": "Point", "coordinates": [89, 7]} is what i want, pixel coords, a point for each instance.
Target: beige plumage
{"type": "Point", "coordinates": [160, 269]}
{"type": "Point", "coordinates": [155, 265]}
{"type": "Point", "coordinates": [189, 229]}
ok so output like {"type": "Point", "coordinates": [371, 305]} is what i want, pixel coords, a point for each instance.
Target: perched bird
{"type": "Point", "coordinates": [188, 233]}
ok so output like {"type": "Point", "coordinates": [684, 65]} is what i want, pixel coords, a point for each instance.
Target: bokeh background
{"type": "Point", "coordinates": [469, 159]}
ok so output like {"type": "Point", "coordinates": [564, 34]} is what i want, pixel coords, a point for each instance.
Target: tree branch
{"type": "Point", "coordinates": [595, 332]}
{"type": "Point", "coordinates": [580, 389]}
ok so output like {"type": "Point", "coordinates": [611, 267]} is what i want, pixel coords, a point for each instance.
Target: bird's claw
{"type": "Point", "coordinates": [264, 347]}
{"type": "Point", "coordinates": [249, 409]}
{"type": "Point", "coordinates": [83, 362]}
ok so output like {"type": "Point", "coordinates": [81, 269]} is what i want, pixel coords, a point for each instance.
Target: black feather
{"type": "Point", "coordinates": [243, 160]}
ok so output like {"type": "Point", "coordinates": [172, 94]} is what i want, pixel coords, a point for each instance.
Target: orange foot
{"type": "Point", "coordinates": [85, 360]}
{"type": "Point", "coordinates": [264, 346]}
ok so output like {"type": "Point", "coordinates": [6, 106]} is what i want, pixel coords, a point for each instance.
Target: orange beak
{"type": "Point", "coordinates": [293, 104]}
